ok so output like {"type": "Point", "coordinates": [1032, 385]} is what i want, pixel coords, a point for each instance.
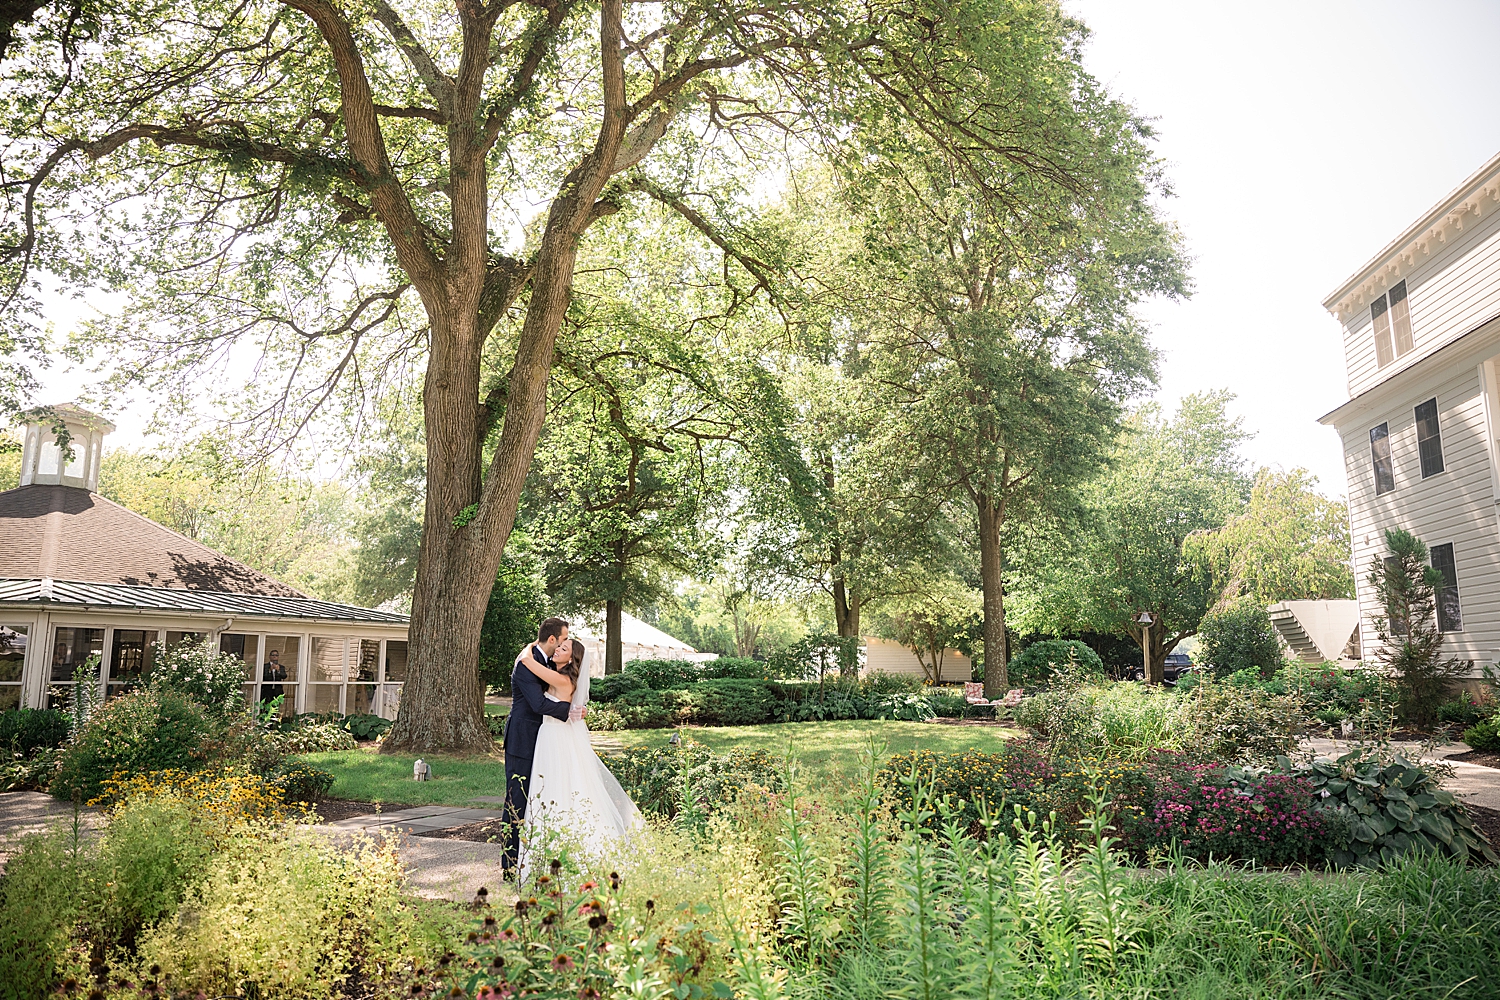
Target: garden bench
{"type": "Point", "coordinates": [974, 695]}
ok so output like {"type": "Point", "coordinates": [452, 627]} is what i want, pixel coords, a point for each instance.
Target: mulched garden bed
{"type": "Point", "coordinates": [333, 810]}
{"type": "Point", "coordinates": [483, 832]}
{"type": "Point", "coordinates": [1486, 819]}
{"type": "Point", "coordinates": [1488, 758]}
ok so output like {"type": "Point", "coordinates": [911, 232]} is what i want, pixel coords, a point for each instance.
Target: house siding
{"type": "Point", "coordinates": [1456, 505]}
{"type": "Point", "coordinates": [1452, 288]}
{"type": "Point", "coordinates": [885, 657]}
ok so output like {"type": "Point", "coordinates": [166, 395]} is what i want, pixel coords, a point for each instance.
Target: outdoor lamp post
{"type": "Point", "coordinates": [1145, 620]}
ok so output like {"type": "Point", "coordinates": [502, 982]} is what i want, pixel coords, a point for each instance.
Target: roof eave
{"type": "Point", "coordinates": [1479, 182]}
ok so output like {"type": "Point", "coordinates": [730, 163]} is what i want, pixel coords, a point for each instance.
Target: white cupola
{"type": "Point", "coordinates": [73, 462]}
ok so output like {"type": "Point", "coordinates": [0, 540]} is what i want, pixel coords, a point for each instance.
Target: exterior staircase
{"type": "Point", "coordinates": [1318, 630]}
{"type": "Point", "coordinates": [1294, 635]}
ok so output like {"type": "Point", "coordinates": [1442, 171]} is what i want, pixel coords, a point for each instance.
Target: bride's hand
{"type": "Point", "coordinates": [577, 712]}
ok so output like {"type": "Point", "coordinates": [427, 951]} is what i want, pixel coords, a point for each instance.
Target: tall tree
{"type": "Point", "coordinates": [1005, 343]}
{"type": "Point", "coordinates": [340, 189]}
{"type": "Point", "coordinates": [1290, 544]}
{"type": "Point", "coordinates": [1167, 479]}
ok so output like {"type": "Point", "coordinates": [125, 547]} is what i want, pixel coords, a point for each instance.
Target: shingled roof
{"type": "Point", "coordinates": [68, 533]}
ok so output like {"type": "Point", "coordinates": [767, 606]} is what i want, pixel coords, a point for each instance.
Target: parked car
{"type": "Point", "coordinates": [1176, 665]}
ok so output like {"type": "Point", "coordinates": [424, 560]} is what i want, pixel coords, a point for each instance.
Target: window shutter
{"type": "Point", "coordinates": [1401, 318]}
{"type": "Point", "coordinates": [1381, 320]}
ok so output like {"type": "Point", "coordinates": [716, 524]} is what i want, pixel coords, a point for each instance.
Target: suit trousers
{"type": "Point", "coordinates": [517, 774]}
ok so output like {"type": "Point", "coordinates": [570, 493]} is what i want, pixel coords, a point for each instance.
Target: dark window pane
{"type": "Point", "coordinates": [1380, 458]}
{"type": "Point", "coordinates": [12, 653]}
{"type": "Point", "coordinates": [1429, 442]}
{"type": "Point", "coordinates": [1449, 614]}
{"type": "Point", "coordinates": [130, 659]}
{"type": "Point", "coordinates": [71, 647]}
{"type": "Point", "coordinates": [1398, 292]}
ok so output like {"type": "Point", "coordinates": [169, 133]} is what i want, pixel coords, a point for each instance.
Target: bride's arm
{"type": "Point", "coordinates": [547, 674]}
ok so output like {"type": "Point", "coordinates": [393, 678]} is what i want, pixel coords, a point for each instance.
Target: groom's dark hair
{"type": "Point", "coordinates": [551, 627]}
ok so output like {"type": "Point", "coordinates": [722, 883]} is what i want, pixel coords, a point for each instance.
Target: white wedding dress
{"type": "Point", "coordinates": [572, 797]}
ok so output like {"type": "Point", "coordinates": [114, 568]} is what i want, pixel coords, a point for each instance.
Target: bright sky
{"type": "Point", "coordinates": [1301, 137]}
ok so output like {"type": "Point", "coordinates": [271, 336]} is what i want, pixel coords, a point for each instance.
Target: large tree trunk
{"type": "Point", "coordinates": [991, 569]}
{"type": "Point", "coordinates": [614, 648]}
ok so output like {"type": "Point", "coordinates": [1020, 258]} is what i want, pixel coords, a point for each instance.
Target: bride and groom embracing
{"type": "Point", "coordinates": [555, 785]}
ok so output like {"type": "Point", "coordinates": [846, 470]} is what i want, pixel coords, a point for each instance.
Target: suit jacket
{"type": "Point", "coordinates": [529, 704]}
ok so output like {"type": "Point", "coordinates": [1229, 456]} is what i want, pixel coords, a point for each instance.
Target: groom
{"type": "Point", "coordinates": [528, 705]}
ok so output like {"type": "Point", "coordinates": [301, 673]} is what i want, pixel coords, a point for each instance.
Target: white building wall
{"type": "Point", "coordinates": [1456, 505]}
{"type": "Point", "coordinates": [1453, 285]}
{"type": "Point", "coordinates": [883, 656]}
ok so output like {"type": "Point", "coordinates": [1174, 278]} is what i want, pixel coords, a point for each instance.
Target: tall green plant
{"type": "Point", "coordinates": [1411, 647]}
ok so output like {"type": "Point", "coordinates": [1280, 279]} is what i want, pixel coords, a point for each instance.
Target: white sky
{"type": "Point", "coordinates": [1301, 138]}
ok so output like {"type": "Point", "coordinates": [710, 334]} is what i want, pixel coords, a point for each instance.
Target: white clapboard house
{"type": "Point", "coordinates": [1421, 323]}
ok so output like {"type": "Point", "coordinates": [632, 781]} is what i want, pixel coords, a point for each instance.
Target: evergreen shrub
{"type": "Point", "coordinates": [661, 675]}
{"type": "Point", "coordinates": [723, 702]}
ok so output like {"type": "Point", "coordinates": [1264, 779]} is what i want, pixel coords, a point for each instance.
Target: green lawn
{"type": "Point", "coordinates": [366, 776]}
{"type": "Point", "coordinates": [829, 749]}
{"type": "Point", "coordinates": [825, 750]}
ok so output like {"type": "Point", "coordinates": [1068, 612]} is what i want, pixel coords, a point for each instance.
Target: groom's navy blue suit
{"type": "Point", "coordinates": [528, 705]}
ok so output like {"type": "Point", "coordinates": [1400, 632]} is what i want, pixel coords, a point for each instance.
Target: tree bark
{"type": "Point", "coordinates": [991, 569]}
{"type": "Point", "coordinates": [614, 648]}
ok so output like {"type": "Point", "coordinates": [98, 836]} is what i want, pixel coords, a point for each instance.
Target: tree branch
{"type": "Point", "coordinates": [438, 84]}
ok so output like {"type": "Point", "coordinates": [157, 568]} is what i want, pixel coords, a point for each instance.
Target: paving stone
{"type": "Point", "coordinates": [22, 813]}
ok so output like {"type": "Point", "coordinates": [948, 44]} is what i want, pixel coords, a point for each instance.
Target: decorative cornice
{"type": "Point", "coordinates": [1472, 200]}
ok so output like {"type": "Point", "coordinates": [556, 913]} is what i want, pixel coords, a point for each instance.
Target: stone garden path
{"type": "Point", "coordinates": [32, 812]}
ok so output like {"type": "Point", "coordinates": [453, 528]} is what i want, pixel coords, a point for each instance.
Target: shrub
{"type": "Point", "coordinates": [219, 799]}
{"type": "Point", "coordinates": [366, 727]}
{"type": "Point", "coordinates": [1377, 811]}
{"type": "Point", "coordinates": [300, 781]}
{"type": "Point", "coordinates": [496, 724]}
{"type": "Point", "coordinates": [1252, 725]}
{"type": "Point", "coordinates": [605, 720]}
{"type": "Point", "coordinates": [662, 675]}
{"type": "Point", "coordinates": [972, 782]}
{"type": "Point", "coordinates": [906, 707]}
{"type": "Point", "coordinates": [947, 706]}
{"type": "Point", "coordinates": [200, 672]}
{"type": "Point", "coordinates": [737, 667]}
{"type": "Point", "coordinates": [1463, 711]}
{"type": "Point", "coordinates": [643, 709]}
{"type": "Point", "coordinates": [1484, 735]}
{"type": "Point", "coordinates": [723, 702]}
{"type": "Point", "coordinates": [1210, 811]}
{"type": "Point", "coordinates": [291, 917]}
{"type": "Point", "coordinates": [26, 774]}
{"type": "Point", "coordinates": [316, 737]}
{"type": "Point", "coordinates": [40, 901]}
{"type": "Point", "coordinates": [27, 730]}
{"type": "Point", "coordinates": [662, 779]}
{"type": "Point", "coordinates": [1124, 719]}
{"type": "Point", "coordinates": [152, 853]}
{"type": "Point", "coordinates": [1239, 637]}
{"type": "Point", "coordinates": [1034, 665]}
{"type": "Point", "coordinates": [152, 730]}
{"type": "Point", "coordinates": [880, 683]}
{"type": "Point", "coordinates": [611, 686]}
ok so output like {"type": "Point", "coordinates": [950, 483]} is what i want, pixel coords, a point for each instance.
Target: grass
{"type": "Point", "coordinates": [367, 776]}
{"type": "Point", "coordinates": [824, 750]}
{"type": "Point", "coordinates": [831, 749]}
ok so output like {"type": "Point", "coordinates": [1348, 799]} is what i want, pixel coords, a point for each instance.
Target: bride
{"type": "Point", "coordinates": [571, 793]}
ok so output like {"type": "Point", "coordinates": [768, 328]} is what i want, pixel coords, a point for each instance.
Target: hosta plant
{"type": "Point", "coordinates": [1378, 810]}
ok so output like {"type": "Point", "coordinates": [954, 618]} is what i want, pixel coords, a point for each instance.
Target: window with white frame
{"type": "Point", "coordinates": [1449, 615]}
{"type": "Point", "coordinates": [1380, 459]}
{"type": "Point", "coordinates": [71, 648]}
{"type": "Point", "coordinates": [1429, 441]}
{"type": "Point", "coordinates": [1390, 318]}
{"type": "Point", "coordinates": [12, 663]}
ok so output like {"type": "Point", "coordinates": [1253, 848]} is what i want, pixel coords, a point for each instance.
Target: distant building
{"type": "Point", "coordinates": [882, 656]}
{"type": "Point", "coordinates": [1421, 326]}
{"type": "Point", "coordinates": [81, 575]}
{"type": "Point", "coordinates": [638, 641]}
